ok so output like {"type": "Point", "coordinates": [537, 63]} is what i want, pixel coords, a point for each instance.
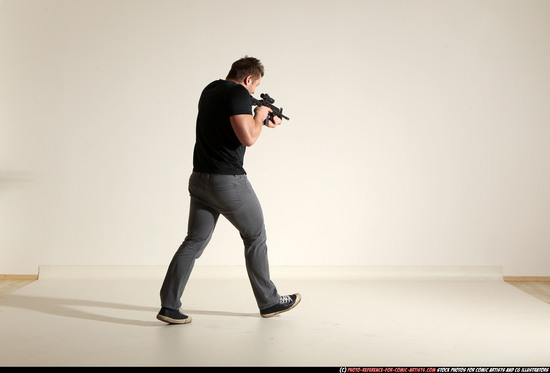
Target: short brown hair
{"type": "Point", "coordinates": [244, 67]}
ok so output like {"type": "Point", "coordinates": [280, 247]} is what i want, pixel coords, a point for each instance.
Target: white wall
{"type": "Point", "coordinates": [419, 131]}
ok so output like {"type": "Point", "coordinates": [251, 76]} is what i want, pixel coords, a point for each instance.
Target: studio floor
{"type": "Point", "coordinates": [349, 316]}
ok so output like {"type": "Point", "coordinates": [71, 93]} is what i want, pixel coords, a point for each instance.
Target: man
{"type": "Point", "coordinates": [219, 185]}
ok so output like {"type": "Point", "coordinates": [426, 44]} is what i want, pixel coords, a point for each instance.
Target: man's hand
{"type": "Point", "coordinates": [261, 113]}
{"type": "Point", "coordinates": [274, 122]}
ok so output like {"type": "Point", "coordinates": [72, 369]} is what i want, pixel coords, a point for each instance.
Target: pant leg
{"type": "Point", "coordinates": [232, 196]}
{"type": "Point", "coordinates": [249, 220]}
{"type": "Point", "coordinates": [202, 221]}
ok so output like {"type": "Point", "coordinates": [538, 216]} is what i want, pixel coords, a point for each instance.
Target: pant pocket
{"type": "Point", "coordinates": [226, 197]}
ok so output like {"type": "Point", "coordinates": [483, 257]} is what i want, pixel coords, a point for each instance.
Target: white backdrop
{"type": "Point", "coordinates": [419, 131]}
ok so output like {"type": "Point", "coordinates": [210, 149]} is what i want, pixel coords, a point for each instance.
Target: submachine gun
{"type": "Point", "coordinates": [268, 101]}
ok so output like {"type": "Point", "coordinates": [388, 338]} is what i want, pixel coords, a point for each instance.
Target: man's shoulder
{"type": "Point", "coordinates": [229, 86]}
{"type": "Point", "coordinates": [236, 88]}
{"type": "Point", "coordinates": [215, 85]}
{"type": "Point", "coordinates": [226, 93]}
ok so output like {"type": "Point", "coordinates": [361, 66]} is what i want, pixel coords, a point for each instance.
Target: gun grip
{"type": "Point", "coordinates": [268, 119]}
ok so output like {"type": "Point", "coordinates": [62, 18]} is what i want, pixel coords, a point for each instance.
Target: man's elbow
{"type": "Point", "coordinates": [249, 138]}
{"type": "Point", "coordinates": [248, 142]}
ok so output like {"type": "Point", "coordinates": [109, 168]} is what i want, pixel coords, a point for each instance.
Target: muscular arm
{"type": "Point", "coordinates": [248, 127]}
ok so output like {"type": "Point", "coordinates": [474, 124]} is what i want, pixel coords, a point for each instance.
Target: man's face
{"type": "Point", "coordinates": [250, 84]}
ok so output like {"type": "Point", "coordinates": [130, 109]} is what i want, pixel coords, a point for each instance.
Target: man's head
{"type": "Point", "coordinates": [247, 71]}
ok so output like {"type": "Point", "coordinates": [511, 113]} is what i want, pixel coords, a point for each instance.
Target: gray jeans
{"type": "Point", "coordinates": [233, 197]}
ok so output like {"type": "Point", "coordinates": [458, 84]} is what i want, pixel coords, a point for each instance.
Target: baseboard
{"type": "Point", "coordinates": [526, 278]}
{"type": "Point", "coordinates": [388, 273]}
{"type": "Point", "coordinates": [18, 277]}
{"type": "Point", "coordinates": [161, 271]}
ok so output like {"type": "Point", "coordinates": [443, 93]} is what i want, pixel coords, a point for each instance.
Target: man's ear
{"type": "Point", "coordinates": [248, 80]}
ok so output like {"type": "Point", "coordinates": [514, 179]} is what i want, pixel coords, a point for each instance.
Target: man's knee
{"type": "Point", "coordinates": [193, 247]}
{"type": "Point", "coordinates": [254, 243]}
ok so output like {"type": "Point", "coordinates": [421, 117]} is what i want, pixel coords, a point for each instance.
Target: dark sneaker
{"type": "Point", "coordinates": [173, 316]}
{"type": "Point", "coordinates": [286, 303]}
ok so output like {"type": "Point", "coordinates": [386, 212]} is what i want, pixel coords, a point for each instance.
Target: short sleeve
{"type": "Point", "coordinates": [239, 101]}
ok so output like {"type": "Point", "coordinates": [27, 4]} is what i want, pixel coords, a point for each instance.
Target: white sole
{"type": "Point", "coordinates": [170, 320]}
{"type": "Point", "coordinates": [298, 299]}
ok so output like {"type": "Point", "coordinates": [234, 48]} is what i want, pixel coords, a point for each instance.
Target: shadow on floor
{"type": "Point", "coordinates": [70, 308]}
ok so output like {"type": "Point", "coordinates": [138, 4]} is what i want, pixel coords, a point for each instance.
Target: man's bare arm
{"type": "Point", "coordinates": [248, 127]}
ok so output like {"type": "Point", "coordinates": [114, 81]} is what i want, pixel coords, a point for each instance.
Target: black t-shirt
{"type": "Point", "coordinates": [217, 148]}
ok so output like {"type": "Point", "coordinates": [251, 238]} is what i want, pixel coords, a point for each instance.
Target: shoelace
{"type": "Point", "coordinates": [180, 312]}
{"type": "Point", "coordinates": [285, 299]}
